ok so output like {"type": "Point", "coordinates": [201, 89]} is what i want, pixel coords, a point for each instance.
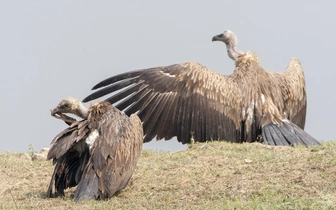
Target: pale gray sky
{"type": "Point", "coordinates": [53, 49]}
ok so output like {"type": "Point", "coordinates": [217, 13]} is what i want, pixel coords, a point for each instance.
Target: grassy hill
{"type": "Point", "coordinates": [215, 175]}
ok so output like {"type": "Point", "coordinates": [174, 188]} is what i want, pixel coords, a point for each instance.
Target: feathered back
{"type": "Point", "coordinates": [114, 154]}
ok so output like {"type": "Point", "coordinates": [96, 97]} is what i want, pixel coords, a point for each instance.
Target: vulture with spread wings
{"type": "Point", "coordinates": [188, 100]}
{"type": "Point", "coordinates": [98, 153]}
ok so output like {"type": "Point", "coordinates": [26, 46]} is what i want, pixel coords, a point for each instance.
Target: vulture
{"type": "Point", "coordinates": [190, 101]}
{"type": "Point", "coordinates": [98, 154]}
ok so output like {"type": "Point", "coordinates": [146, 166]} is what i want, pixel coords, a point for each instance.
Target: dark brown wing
{"type": "Point", "coordinates": [292, 82]}
{"type": "Point", "coordinates": [184, 100]}
{"type": "Point", "coordinates": [66, 139]}
{"type": "Point", "coordinates": [114, 156]}
{"type": "Point", "coordinates": [70, 155]}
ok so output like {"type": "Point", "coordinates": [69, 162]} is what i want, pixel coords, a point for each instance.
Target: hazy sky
{"type": "Point", "coordinates": [53, 49]}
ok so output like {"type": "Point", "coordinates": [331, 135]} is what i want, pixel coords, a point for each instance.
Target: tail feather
{"type": "Point", "coordinates": [288, 134]}
{"type": "Point", "coordinates": [88, 187]}
{"type": "Point", "coordinates": [266, 134]}
{"type": "Point", "coordinates": [285, 134]}
{"type": "Point", "coordinates": [306, 138]}
{"type": "Point", "coordinates": [278, 137]}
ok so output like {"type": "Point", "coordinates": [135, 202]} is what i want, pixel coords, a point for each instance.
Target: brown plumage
{"type": "Point", "coordinates": [98, 153]}
{"type": "Point", "coordinates": [188, 100]}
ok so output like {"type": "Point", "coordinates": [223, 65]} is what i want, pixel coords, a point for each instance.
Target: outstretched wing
{"type": "Point", "coordinates": [292, 82]}
{"type": "Point", "coordinates": [184, 100]}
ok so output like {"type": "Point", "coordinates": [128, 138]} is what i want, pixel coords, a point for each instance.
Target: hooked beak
{"type": "Point", "coordinates": [215, 38]}
{"type": "Point", "coordinates": [59, 115]}
{"type": "Point", "coordinates": [218, 37]}
{"type": "Point", "coordinates": [54, 111]}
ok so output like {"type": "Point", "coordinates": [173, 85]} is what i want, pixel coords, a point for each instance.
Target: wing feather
{"type": "Point", "coordinates": [186, 120]}
{"type": "Point", "coordinates": [198, 100]}
{"type": "Point", "coordinates": [292, 83]}
{"type": "Point", "coordinates": [66, 139]}
{"type": "Point", "coordinates": [130, 99]}
{"type": "Point", "coordinates": [120, 77]}
{"type": "Point", "coordinates": [147, 110]}
{"type": "Point", "coordinates": [169, 130]}
{"type": "Point", "coordinates": [162, 124]}
{"type": "Point", "coordinates": [137, 104]}
{"type": "Point", "coordinates": [154, 115]}
{"type": "Point", "coordinates": [69, 155]}
{"type": "Point", "coordinates": [112, 88]}
{"type": "Point", "coordinates": [129, 90]}
{"type": "Point", "coordinates": [116, 151]}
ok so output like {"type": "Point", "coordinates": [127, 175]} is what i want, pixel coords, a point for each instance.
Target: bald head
{"type": "Point", "coordinates": [227, 37]}
{"type": "Point", "coordinates": [72, 106]}
{"type": "Point", "coordinates": [230, 39]}
{"type": "Point", "coordinates": [67, 105]}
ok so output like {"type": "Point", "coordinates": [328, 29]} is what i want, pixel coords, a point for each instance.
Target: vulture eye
{"type": "Point", "coordinates": [65, 106]}
{"type": "Point", "coordinates": [221, 35]}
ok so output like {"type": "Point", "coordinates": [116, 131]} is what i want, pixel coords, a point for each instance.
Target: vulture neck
{"type": "Point", "coordinates": [232, 51]}
{"type": "Point", "coordinates": [82, 111]}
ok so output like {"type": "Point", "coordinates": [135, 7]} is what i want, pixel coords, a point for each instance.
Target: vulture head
{"type": "Point", "coordinates": [70, 105]}
{"type": "Point", "coordinates": [230, 39]}
{"type": "Point", "coordinates": [227, 37]}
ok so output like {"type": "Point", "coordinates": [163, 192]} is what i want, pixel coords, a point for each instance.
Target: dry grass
{"type": "Point", "coordinates": [215, 175]}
